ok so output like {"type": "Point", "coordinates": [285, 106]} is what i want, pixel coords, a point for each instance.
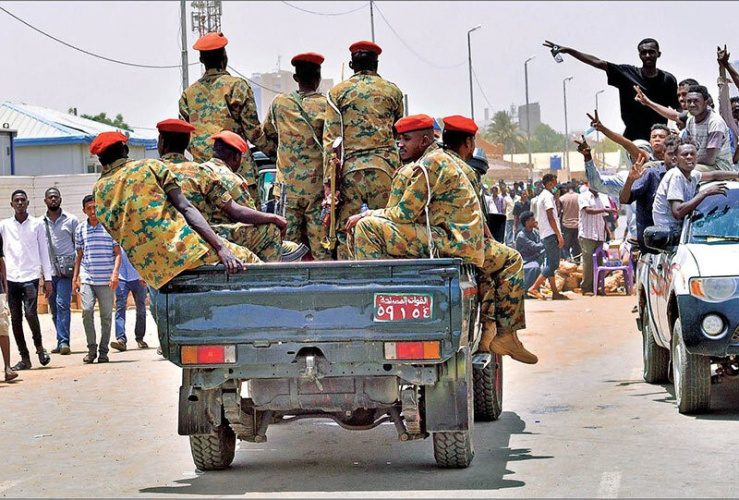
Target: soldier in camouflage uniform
{"type": "Point", "coordinates": [500, 278]}
{"type": "Point", "coordinates": [228, 209]}
{"type": "Point", "coordinates": [362, 110]}
{"type": "Point", "coordinates": [219, 101]}
{"type": "Point", "coordinates": [140, 204]}
{"type": "Point", "coordinates": [430, 194]}
{"type": "Point", "coordinates": [294, 128]}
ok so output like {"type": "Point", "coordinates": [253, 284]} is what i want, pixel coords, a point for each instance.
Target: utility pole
{"type": "Point", "coordinates": [528, 117]}
{"type": "Point", "coordinates": [183, 30]}
{"type": "Point", "coordinates": [372, 19]}
{"type": "Point", "coordinates": [469, 59]}
{"type": "Point", "coordinates": [566, 159]}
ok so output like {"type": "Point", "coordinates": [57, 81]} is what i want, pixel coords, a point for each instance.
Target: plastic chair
{"type": "Point", "coordinates": [600, 272]}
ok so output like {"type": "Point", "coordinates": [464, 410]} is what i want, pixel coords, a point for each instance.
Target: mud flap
{"type": "Point", "coordinates": [447, 407]}
{"type": "Point", "coordinates": [199, 411]}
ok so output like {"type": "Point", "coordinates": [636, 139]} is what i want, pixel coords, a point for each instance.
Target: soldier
{"type": "Point", "coordinates": [431, 196]}
{"type": "Point", "coordinates": [362, 110]}
{"type": "Point", "coordinates": [219, 101]}
{"type": "Point", "coordinates": [139, 202]}
{"type": "Point", "coordinates": [294, 127]}
{"type": "Point", "coordinates": [500, 278]}
{"type": "Point", "coordinates": [220, 196]}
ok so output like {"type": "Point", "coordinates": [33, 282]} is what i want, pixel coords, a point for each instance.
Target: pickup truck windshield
{"type": "Point", "coordinates": [716, 219]}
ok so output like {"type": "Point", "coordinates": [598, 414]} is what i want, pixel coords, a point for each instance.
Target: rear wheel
{"type": "Point", "coordinates": [691, 374]}
{"type": "Point", "coordinates": [656, 358]}
{"type": "Point", "coordinates": [454, 450]}
{"type": "Point", "coordinates": [214, 451]}
{"type": "Point", "coordinates": [488, 384]}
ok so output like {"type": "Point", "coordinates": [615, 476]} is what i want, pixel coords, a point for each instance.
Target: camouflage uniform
{"type": "Point", "coordinates": [132, 205]}
{"type": "Point", "coordinates": [500, 279]}
{"type": "Point", "coordinates": [297, 138]}
{"type": "Point", "coordinates": [219, 101]}
{"type": "Point", "coordinates": [454, 215]}
{"type": "Point", "coordinates": [369, 107]}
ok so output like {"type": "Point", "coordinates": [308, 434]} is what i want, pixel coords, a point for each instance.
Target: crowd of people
{"type": "Point", "coordinates": [356, 179]}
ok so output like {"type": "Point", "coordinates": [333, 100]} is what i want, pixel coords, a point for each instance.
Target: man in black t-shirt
{"type": "Point", "coordinates": [659, 85]}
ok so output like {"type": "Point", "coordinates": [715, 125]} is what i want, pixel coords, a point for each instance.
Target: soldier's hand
{"type": "Point", "coordinates": [351, 222]}
{"type": "Point", "coordinates": [281, 223]}
{"type": "Point", "coordinates": [228, 259]}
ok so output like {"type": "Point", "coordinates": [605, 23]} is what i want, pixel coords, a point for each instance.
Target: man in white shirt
{"type": "Point", "coordinates": [551, 236]}
{"type": "Point", "coordinates": [24, 246]}
{"type": "Point", "coordinates": [676, 195]}
{"type": "Point", "coordinates": [591, 232]}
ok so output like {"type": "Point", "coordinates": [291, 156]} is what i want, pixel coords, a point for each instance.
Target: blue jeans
{"type": "Point", "coordinates": [121, 297]}
{"type": "Point", "coordinates": [59, 304]}
{"type": "Point", "coordinates": [509, 238]}
{"type": "Point", "coordinates": [551, 252]}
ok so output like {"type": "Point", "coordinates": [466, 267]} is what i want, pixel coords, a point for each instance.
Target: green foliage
{"type": "Point", "coordinates": [544, 139]}
{"type": "Point", "coordinates": [505, 131]}
{"type": "Point", "coordinates": [103, 118]}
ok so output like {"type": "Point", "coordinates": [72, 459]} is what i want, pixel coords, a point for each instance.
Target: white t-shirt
{"type": "Point", "coordinates": [545, 202]}
{"type": "Point", "coordinates": [673, 187]}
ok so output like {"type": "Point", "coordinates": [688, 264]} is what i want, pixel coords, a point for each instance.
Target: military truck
{"type": "Point", "coordinates": [358, 342]}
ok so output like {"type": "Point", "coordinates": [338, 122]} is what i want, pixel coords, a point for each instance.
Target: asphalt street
{"type": "Point", "coordinates": [581, 423]}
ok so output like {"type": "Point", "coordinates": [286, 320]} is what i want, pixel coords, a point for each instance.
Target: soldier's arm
{"type": "Point", "coordinates": [184, 111]}
{"type": "Point", "coordinates": [247, 117]}
{"type": "Point", "coordinates": [269, 129]}
{"type": "Point", "coordinates": [246, 215]}
{"type": "Point", "coordinates": [411, 205]}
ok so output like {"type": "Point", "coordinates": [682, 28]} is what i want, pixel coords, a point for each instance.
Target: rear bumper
{"type": "Point", "coordinates": [692, 311]}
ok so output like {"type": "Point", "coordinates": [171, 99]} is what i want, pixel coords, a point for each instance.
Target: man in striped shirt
{"type": "Point", "coordinates": [96, 279]}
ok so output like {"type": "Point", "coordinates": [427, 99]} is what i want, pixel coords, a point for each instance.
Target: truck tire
{"type": "Point", "coordinates": [691, 374]}
{"type": "Point", "coordinates": [488, 384]}
{"type": "Point", "coordinates": [454, 450]}
{"type": "Point", "coordinates": [214, 451]}
{"type": "Point", "coordinates": [656, 358]}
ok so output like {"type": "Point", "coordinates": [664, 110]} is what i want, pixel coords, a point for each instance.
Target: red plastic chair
{"type": "Point", "coordinates": [600, 272]}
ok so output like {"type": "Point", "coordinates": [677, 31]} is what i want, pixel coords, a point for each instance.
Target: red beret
{"type": "Point", "coordinates": [211, 41]}
{"type": "Point", "coordinates": [310, 57]}
{"type": "Point", "coordinates": [232, 139]}
{"type": "Point", "coordinates": [173, 125]}
{"type": "Point", "coordinates": [365, 46]}
{"type": "Point", "coordinates": [413, 122]}
{"type": "Point", "coordinates": [457, 123]}
{"type": "Point", "coordinates": [104, 140]}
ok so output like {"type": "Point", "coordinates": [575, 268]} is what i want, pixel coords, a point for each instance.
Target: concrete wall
{"type": "Point", "coordinates": [72, 187]}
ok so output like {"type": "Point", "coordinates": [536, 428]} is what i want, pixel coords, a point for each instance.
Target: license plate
{"type": "Point", "coordinates": [403, 307]}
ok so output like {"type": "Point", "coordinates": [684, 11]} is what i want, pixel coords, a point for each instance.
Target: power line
{"type": "Point", "coordinates": [419, 56]}
{"type": "Point", "coordinates": [325, 13]}
{"type": "Point", "coordinates": [252, 81]}
{"type": "Point", "coordinates": [149, 66]}
{"type": "Point", "coordinates": [481, 90]}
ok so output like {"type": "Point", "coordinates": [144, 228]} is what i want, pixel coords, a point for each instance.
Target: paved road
{"type": "Point", "coordinates": [581, 423]}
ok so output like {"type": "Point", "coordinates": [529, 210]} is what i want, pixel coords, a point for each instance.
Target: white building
{"type": "Point", "coordinates": [50, 142]}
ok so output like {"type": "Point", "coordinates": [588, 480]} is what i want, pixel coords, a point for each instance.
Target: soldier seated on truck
{"type": "Point", "coordinates": [220, 194]}
{"type": "Point", "coordinates": [432, 195]}
{"type": "Point", "coordinates": [140, 204]}
{"type": "Point", "coordinates": [500, 279]}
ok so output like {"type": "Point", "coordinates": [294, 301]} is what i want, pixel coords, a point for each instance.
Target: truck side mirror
{"type": "Point", "coordinates": [661, 238]}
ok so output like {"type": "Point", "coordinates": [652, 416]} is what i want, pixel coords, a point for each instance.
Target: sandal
{"type": "Point", "coordinates": [533, 294]}
{"type": "Point", "coordinates": [22, 365]}
{"type": "Point", "coordinates": [89, 358]}
{"type": "Point", "coordinates": [10, 375]}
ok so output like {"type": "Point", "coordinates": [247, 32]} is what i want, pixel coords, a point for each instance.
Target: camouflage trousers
{"type": "Point", "coordinates": [370, 186]}
{"type": "Point", "coordinates": [211, 258]}
{"type": "Point", "coordinates": [500, 284]}
{"type": "Point", "coordinates": [263, 240]}
{"type": "Point", "coordinates": [307, 213]}
{"type": "Point", "coordinates": [378, 238]}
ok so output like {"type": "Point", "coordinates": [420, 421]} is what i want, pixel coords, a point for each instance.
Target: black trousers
{"type": "Point", "coordinates": [571, 248]}
{"type": "Point", "coordinates": [24, 296]}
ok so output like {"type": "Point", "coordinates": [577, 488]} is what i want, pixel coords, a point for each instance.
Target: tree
{"type": "Point", "coordinates": [103, 118]}
{"type": "Point", "coordinates": [505, 131]}
{"type": "Point", "coordinates": [544, 139]}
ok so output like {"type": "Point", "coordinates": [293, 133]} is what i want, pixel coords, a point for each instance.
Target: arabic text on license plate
{"type": "Point", "coordinates": [403, 307]}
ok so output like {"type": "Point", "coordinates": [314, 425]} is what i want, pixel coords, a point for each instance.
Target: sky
{"type": "Point", "coordinates": [424, 51]}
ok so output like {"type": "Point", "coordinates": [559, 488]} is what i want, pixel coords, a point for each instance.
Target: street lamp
{"type": "Point", "coordinates": [528, 118]}
{"type": "Point", "coordinates": [567, 133]}
{"type": "Point", "coordinates": [469, 58]}
{"type": "Point", "coordinates": [597, 134]}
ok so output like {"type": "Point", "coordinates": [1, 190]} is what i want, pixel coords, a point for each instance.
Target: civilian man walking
{"type": "Point", "coordinates": [96, 278]}
{"type": "Point", "coordinates": [129, 281]}
{"type": "Point", "coordinates": [60, 228]}
{"type": "Point", "coordinates": [24, 246]}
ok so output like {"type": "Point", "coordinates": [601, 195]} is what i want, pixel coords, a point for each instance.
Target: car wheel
{"type": "Point", "coordinates": [691, 374]}
{"type": "Point", "coordinates": [656, 358]}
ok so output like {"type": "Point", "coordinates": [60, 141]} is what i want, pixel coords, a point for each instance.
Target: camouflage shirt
{"type": "Point", "coordinates": [132, 205]}
{"type": "Point", "coordinates": [234, 184]}
{"type": "Point", "coordinates": [219, 101]}
{"type": "Point", "coordinates": [200, 185]}
{"type": "Point", "coordinates": [297, 137]}
{"type": "Point", "coordinates": [453, 206]}
{"type": "Point", "coordinates": [369, 106]}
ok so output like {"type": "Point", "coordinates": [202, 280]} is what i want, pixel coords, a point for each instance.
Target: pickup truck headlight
{"type": "Point", "coordinates": [714, 289]}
